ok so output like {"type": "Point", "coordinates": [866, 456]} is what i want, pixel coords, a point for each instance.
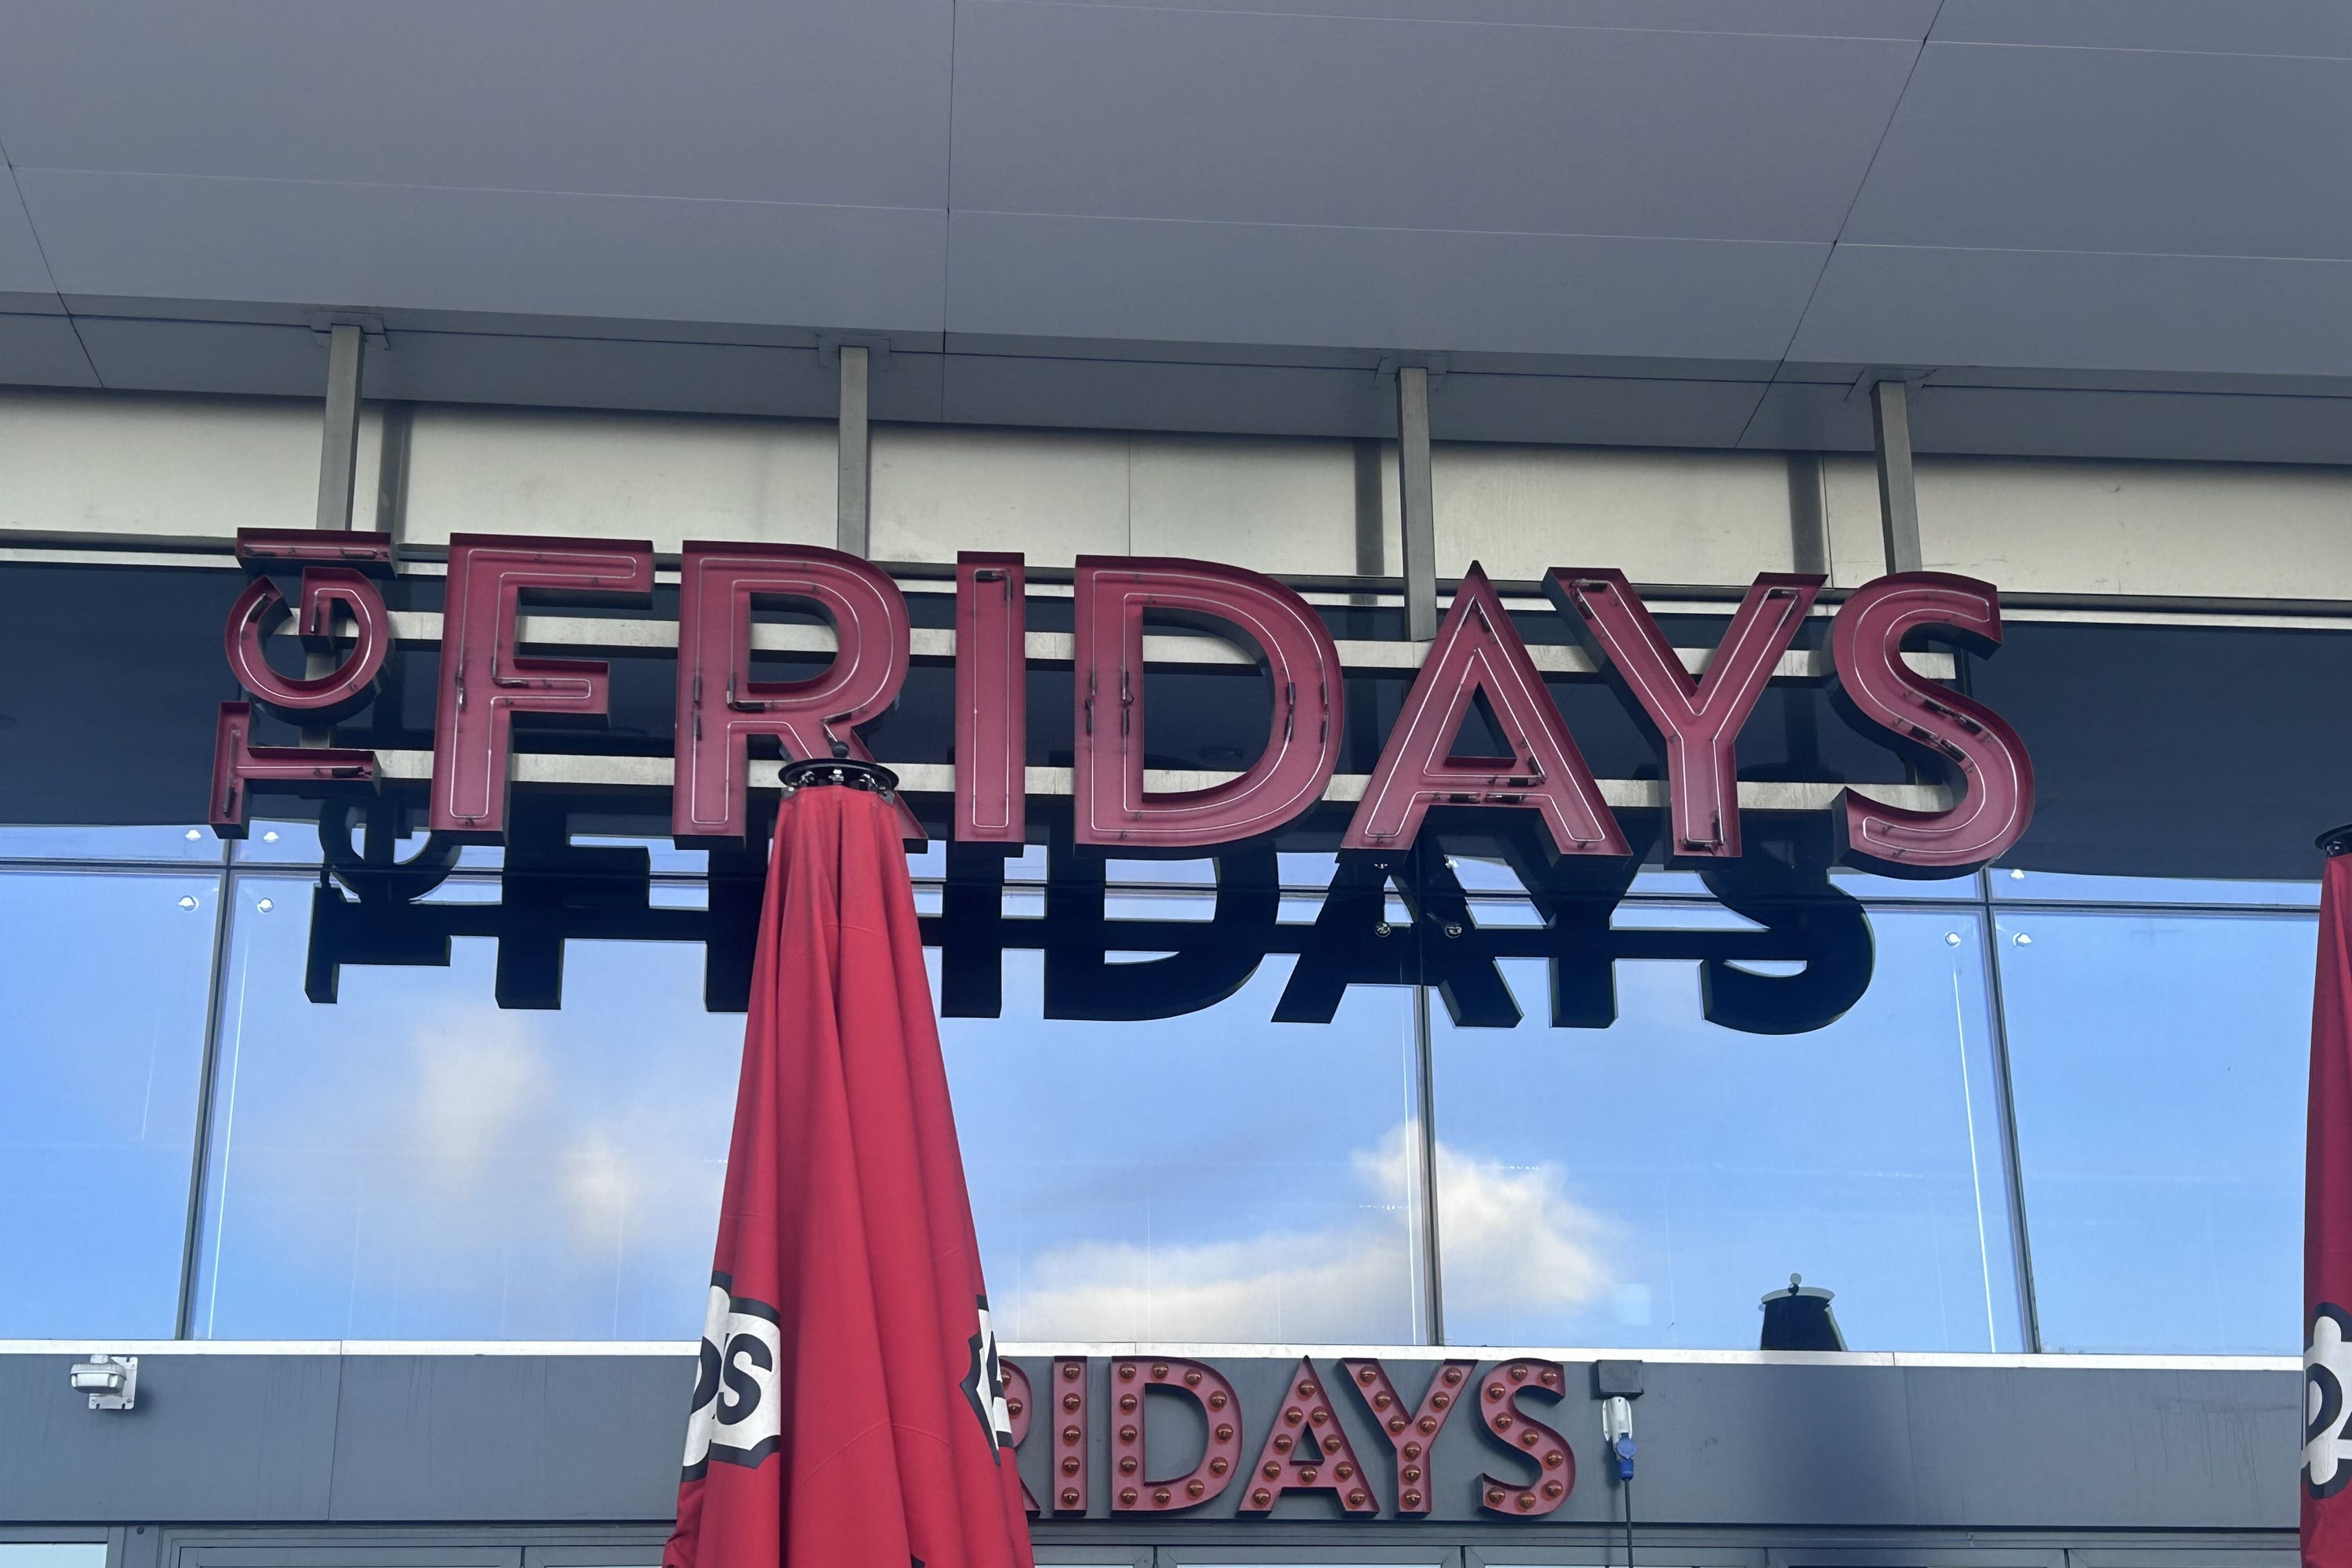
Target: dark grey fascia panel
{"type": "Point", "coordinates": [2230, 1466]}
{"type": "Point", "coordinates": [585, 1438]}
{"type": "Point", "coordinates": [215, 1437]}
{"type": "Point", "coordinates": [1816, 1445]}
{"type": "Point", "coordinates": [499, 323]}
{"type": "Point", "coordinates": [1271, 400]}
{"type": "Point", "coordinates": [41, 350]}
{"type": "Point", "coordinates": [2051, 421]}
{"type": "Point", "coordinates": [621, 374]}
{"type": "Point", "coordinates": [25, 283]}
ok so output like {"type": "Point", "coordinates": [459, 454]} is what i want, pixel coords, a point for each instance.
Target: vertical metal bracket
{"type": "Point", "coordinates": [338, 444]}
{"type": "Point", "coordinates": [1808, 528]}
{"type": "Point", "coordinates": [853, 532]}
{"type": "Point", "coordinates": [1417, 507]}
{"type": "Point", "coordinates": [1898, 487]}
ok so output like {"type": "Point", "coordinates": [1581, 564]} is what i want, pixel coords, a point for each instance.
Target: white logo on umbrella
{"type": "Point", "coordinates": [984, 1385]}
{"type": "Point", "coordinates": [2326, 1378]}
{"type": "Point", "coordinates": [737, 1418]}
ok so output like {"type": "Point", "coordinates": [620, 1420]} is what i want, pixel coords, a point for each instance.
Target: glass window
{"type": "Point", "coordinates": [83, 841]}
{"type": "Point", "coordinates": [2158, 1063]}
{"type": "Point", "coordinates": [415, 1162]}
{"type": "Point", "coordinates": [2016, 885]}
{"type": "Point", "coordinates": [1211, 1177]}
{"type": "Point", "coordinates": [52, 1554]}
{"type": "Point", "coordinates": [1645, 1184]}
{"type": "Point", "coordinates": [107, 975]}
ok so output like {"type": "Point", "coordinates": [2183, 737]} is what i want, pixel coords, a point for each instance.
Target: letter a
{"type": "Point", "coordinates": [1477, 650]}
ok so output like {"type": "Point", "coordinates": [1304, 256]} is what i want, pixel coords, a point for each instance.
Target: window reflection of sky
{"type": "Point", "coordinates": [98, 1120]}
{"type": "Point", "coordinates": [1212, 1177]}
{"type": "Point", "coordinates": [2159, 1061]}
{"type": "Point", "coordinates": [415, 1163]}
{"type": "Point", "coordinates": [1215, 1176]}
{"type": "Point", "coordinates": [1681, 1169]}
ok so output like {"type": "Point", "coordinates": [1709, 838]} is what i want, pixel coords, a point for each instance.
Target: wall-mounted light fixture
{"type": "Point", "coordinates": [111, 1381]}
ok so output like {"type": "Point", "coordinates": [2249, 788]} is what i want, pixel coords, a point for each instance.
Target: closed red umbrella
{"type": "Point", "coordinates": [848, 1412]}
{"type": "Point", "coordinates": [2327, 1228]}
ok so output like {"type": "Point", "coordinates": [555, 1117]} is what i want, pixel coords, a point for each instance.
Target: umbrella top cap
{"type": "Point", "coordinates": [845, 771]}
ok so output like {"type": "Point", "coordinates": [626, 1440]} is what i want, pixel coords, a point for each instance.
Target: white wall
{"type": "Point", "coordinates": [176, 468]}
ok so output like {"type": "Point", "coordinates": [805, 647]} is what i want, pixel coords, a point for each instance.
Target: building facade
{"type": "Point", "coordinates": [367, 1064]}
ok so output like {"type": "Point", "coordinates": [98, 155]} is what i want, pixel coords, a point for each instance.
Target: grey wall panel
{"type": "Point", "coordinates": [2213, 315]}
{"type": "Point", "coordinates": [2139, 149]}
{"type": "Point", "coordinates": [503, 1437]}
{"type": "Point", "coordinates": [214, 1438]}
{"type": "Point", "coordinates": [432, 247]}
{"type": "Point", "coordinates": [42, 351]}
{"type": "Point", "coordinates": [1125, 277]}
{"type": "Point", "coordinates": [1614, 130]}
{"type": "Point", "coordinates": [2215, 27]}
{"type": "Point", "coordinates": [1812, 18]}
{"type": "Point", "coordinates": [1994, 421]}
{"type": "Point", "coordinates": [2195, 1449]}
{"type": "Point", "coordinates": [828, 100]}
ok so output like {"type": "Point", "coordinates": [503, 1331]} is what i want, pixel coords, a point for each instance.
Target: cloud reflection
{"type": "Point", "coordinates": [1508, 1234]}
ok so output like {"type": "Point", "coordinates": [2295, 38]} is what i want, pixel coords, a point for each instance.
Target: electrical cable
{"type": "Point", "coordinates": [1627, 1487]}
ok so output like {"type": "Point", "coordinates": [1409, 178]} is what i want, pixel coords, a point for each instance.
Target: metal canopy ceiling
{"type": "Point", "coordinates": [2118, 227]}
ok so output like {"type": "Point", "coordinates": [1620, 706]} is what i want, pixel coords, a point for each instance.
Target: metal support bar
{"type": "Point", "coordinates": [854, 528]}
{"type": "Point", "coordinates": [1899, 487]}
{"type": "Point", "coordinates": [339, 444]}
{"type": "Point", "coordinates": [339, 461]}
{"type": "Point", "coordinates": [1417, 504]}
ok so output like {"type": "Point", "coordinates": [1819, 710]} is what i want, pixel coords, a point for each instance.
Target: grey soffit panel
{"type": "Point", "coordinates": [1811, 18]}
{"type": "Point", "coordinates": [431, 247]}
{"type": "Point", "coordinates": [836, 102]}
{"type": "Point", "coordinates": [1403, 289]}
{"type": "Point", "coordinates": [243, 1437]}
{"type": "Point", "coordinates": [544, 1437]}
{"type": "Point", "coordinates": [1101, 110]}
{"type": "Point", "coordinates": [2185, 1449]}
{"type": "Point", "coordinates": [2209, 26]}
{"type": "Point", "coordinates": [2140, 149]}
{"type": "Point", "coordinates": [42, 351]}
{"type": "Point", "coordinates": [2027, 421]}
{"type": "Point", "coordinates": [2184, 315]}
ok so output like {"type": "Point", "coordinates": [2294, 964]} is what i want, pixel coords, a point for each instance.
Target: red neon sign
{"type": "Point", "coordinates": [1478, 655]}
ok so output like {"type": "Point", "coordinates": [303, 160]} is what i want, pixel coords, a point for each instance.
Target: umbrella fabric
{"type": "Point", "coordinates": [848, 1410]}
{"type": "Point", "coordinates": [2327, 1237]}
